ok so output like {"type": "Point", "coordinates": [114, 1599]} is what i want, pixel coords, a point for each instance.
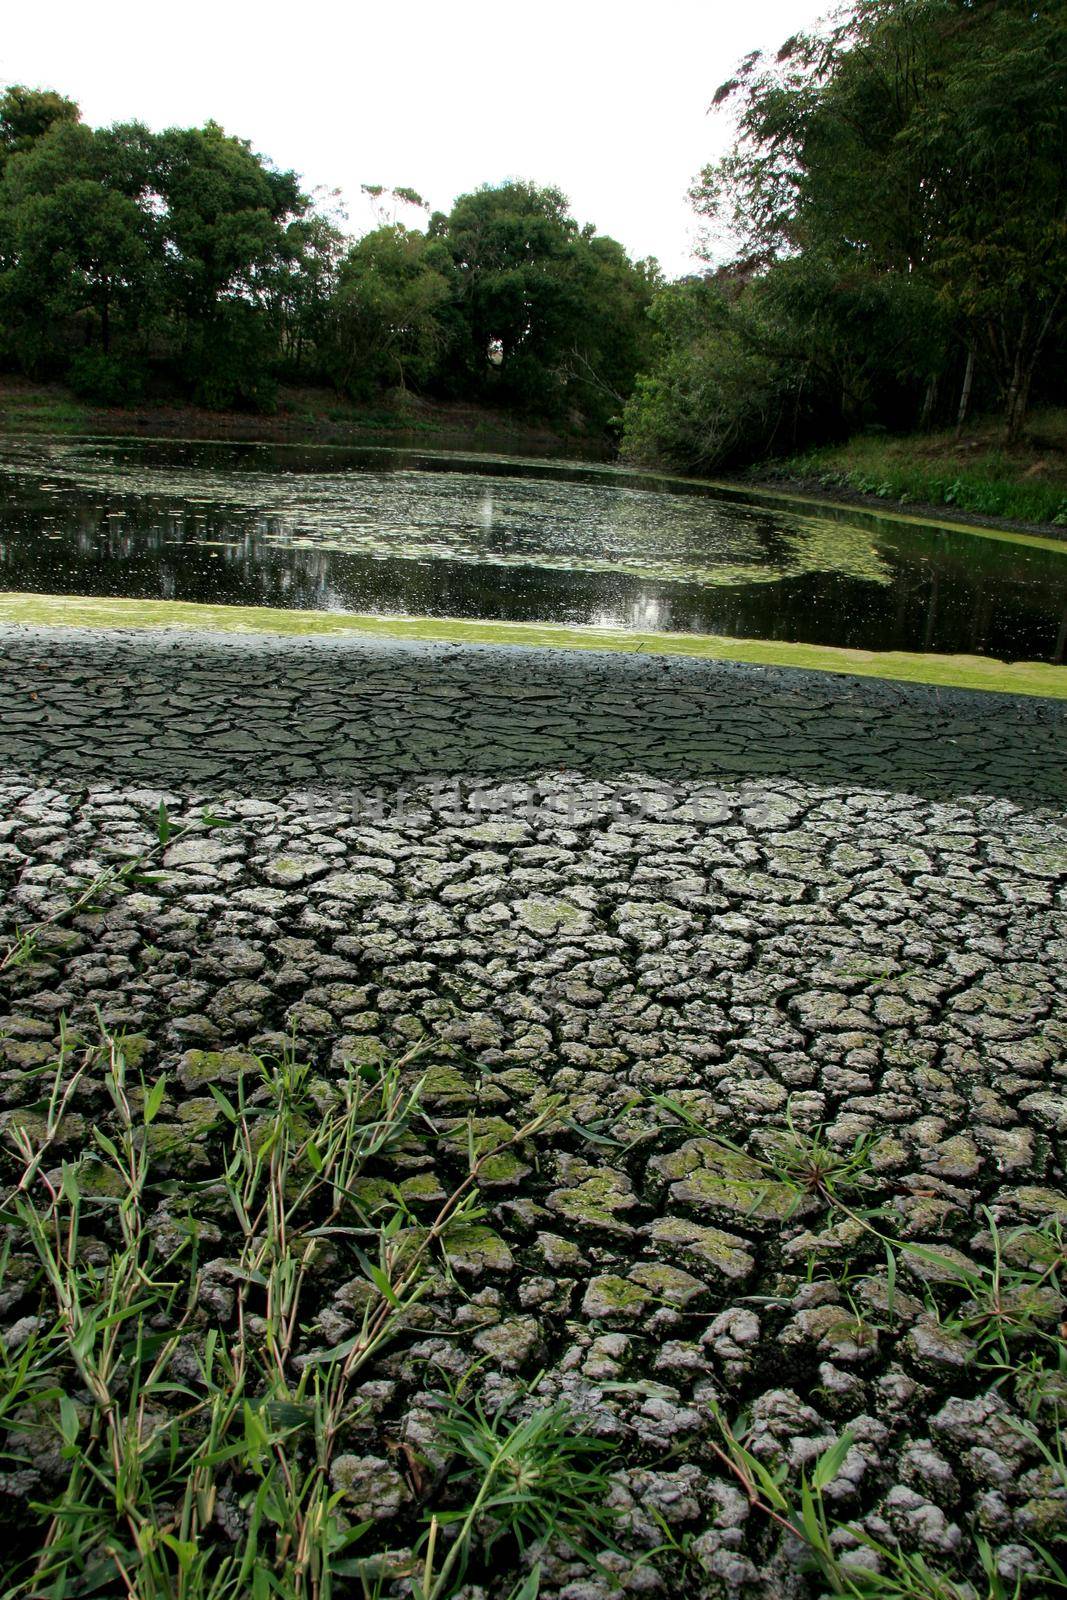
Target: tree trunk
{"type": "Point", "coordinates": [1028, 346]}
{"type": "Point", "coordinates": [1018, 401]}
{"type": "Point", "coordinates": [1018, 404]}
{"type": "Point", "coordinates": [965, 392]}
{"type": "Point", "coordinates": [929, 402]}
{"type": "Point", "coordinates": [1018, 395]}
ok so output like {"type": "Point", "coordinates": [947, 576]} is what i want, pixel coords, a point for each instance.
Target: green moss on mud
{"type": "Point", "coordinates": [725, 1182]}
{"type": "Point", "coordinates": [595, 1201]}
{"type": "Point", "coordinates": [474, 1250]}
{"type": "Point", "coordinates": [214, 1066]}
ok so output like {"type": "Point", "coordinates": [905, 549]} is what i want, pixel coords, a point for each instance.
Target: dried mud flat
{"type": "Point", "coordinates": [687, 967]}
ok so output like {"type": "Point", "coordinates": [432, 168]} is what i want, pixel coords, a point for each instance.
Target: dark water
{"type": "Point", "coordinates": [390, 532]}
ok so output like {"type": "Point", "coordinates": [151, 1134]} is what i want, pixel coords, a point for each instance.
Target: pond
{"type": "Point", "coordinates": [389, 532]}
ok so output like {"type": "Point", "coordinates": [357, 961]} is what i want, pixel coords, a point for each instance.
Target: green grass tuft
{"type": "Point", "coordinates": [164, 1403]}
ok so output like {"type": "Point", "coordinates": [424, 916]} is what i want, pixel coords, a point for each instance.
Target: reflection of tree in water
{"type": "Point", "coordinates": [607, 524]}
{"type": "Point", "coordinates": [911, 590]}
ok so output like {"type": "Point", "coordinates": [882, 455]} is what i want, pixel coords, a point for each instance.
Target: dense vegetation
{"type": "Point", "coordinates": [184, 264]}
{"type": "Point", "coordinates": [897, 195]}
{"type": "Point", "coordinates": [893, 214]}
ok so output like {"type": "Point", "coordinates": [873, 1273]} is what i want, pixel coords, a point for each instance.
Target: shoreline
{"type": "Point", "coordinates": [303, 418]}
{"type": "Point", "coordinates": [1042, 680]}
{"type": "Point", "coordinates": [912, 510]}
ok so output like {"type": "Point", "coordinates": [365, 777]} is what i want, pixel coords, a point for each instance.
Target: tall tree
{"type": "Point", "coordinates": [27, 114]}
{"type": "Point", "coordinates": [224, 214]}
{"type": "Point", "coordinates": [78, 254]}
{"type": "Point", "coordinates": [992, 139]}
{"type": "Point", "coordinates": [509, 246]}
{"type": "Point", "coordinates": [921, 138]}
{"type": "Point", "coordinates": [386, 325]}
{"type": "Point", "coordinates": [548, 316]}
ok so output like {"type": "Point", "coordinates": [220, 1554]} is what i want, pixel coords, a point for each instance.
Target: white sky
{"type": "Point", "coordinates": [607, 99]}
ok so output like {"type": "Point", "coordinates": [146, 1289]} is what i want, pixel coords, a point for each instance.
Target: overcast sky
{"type": "Point", "coordinates": [607, 99]}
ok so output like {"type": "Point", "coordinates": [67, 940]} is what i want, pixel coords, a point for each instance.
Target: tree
{"type": "Point", "coordinates": [184, 262]}
{"type": "Point", "coordinates": [26, 115]}
{"type": "Point", "coordinates": [546, 315]}
{"type": "Point", "coordinates": [224, 216]}
{"type": "Point", "coordinates": [922, 139]}
{"type": "Point", "coordinates": [508, 246]}
{"type": "Point", "coordinates": [607, 336]}
{"type": "Point", "coordinates": [184, 252]}
{"type": "Point", "coordinates": [385, 317]}
{"type": "Point", "coordinates": [300, 298]}
{"type": "Point", "coordinates": [77, 256]}
{"type": "Point", "coordinates": [710, 395]}
{"type": "Point", "coordinates": [994, 140]}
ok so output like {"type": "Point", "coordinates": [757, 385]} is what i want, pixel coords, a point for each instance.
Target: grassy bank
{"type": "Point", "coordinates": [975, 473]}
{"type": "Point", "coordinates": [950, 672]}
{"type": "Point", "coordinates": [303, 416]}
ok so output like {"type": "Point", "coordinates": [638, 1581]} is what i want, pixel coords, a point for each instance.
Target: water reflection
{"type": "Point", "coordinates": [389, 534]}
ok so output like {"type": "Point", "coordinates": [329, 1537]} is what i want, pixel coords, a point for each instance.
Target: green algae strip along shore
{"type": "Point", "coordinates": [951, 672]}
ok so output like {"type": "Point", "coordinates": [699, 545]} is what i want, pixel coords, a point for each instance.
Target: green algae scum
{"type": "Point", "coordinates": [960, 672]}
{"type": "Point", "coordinates": [467, 548]}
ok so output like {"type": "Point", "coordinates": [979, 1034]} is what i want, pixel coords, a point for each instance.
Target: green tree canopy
{"type": "Point", "coordinates": [186, 261]}
{"type": "Point", "coordinates": [27, 114]}
{"type": "Point", "coordinates": [896, 196]}
{"type": "Point", "coordinates": [77, 253]}
{"type": "Point", "coordinates": [546, 314]}
{"type": "Point", "coordinates": [386, 326]}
